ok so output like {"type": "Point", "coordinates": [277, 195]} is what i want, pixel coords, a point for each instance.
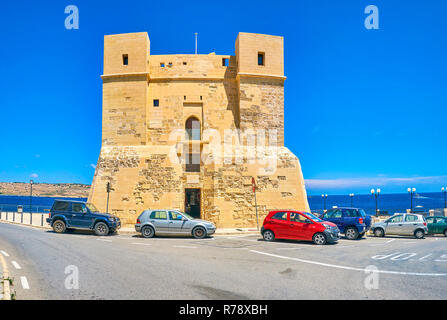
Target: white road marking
{"type": "Point", "coordinates": [442, 258]}
{"type": "Point", "coordinates": [106, 240]}
{"type": "Point", "coordinates": [25, 284]}
{"type": "Point", "coordinates": [16, 265]}
{"type": "Point", "coordinates": [382, 244]}
{"type": "Point", "coordinates": [403, 256]}
{"type": "Point", "coordinates": [350, 268]}
{"type": "Point", "coordinates": [4, 253]}
{"type": "Point", "coordinates": [189, 247]}
{"type": "Point", "coordinates": [143, 244]}
{"type": "Point", "coordinates": [423, 258]}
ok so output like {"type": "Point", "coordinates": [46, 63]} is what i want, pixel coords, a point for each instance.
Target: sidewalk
{"type": "Point", "coordinates": [5, 290]}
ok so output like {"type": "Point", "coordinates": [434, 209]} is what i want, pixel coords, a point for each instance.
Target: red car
{"type": "Point", "coordinates": [298, 225]}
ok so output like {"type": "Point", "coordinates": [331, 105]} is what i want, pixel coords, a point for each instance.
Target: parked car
{"type": "Point", "coordinates": [352, 222]}
{"type": "Point", "coordinates": [298, 225]}
{"type": "Point", "coordinates": [172, 222]}
{"type": "Point", "coordinates": [404, 224]}
{"type": "Point", "coordinates": [68, 215]}
{"type": "Point", "coordinates": [437, 225]}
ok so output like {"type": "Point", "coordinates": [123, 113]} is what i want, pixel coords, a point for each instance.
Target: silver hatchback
{"type": "Point", "coordinates": [172, 222]}
{"type": "Point", "coordinates": [404, 224]}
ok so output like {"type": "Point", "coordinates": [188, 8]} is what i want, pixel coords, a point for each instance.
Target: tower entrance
{"type": "Point", "coordinates": [192, 202]}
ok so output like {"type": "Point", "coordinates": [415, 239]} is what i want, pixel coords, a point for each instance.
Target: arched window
{"type": "Point", "coordinates": [192, 129]}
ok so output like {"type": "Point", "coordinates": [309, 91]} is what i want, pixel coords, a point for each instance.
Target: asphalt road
{"type": "Point", "coordinates": [44, 266]}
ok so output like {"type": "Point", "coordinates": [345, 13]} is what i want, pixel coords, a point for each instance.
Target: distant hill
{"type": "Point", "coordinates": [74, 190]}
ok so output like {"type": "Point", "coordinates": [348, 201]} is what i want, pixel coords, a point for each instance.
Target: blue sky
{"type": "Point", "coordinates": [363, 108]}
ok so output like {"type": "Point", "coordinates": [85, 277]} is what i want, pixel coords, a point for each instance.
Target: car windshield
{"type": "Point", "coordinates": [314, 218]}
{"type": "Point", "coordinates": [91, 207]}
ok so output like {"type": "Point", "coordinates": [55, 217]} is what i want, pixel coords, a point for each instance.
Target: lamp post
{"type": "Point", "coordinates": [444, 191]}
{"type": "Point", "coordinates": [324, 202]}
{"type": "Point", "coordinates": [31, 201]}
{"type": "Point", "coordinates": [411, 192]}
{"type": "Point", "coordinates": [351, 195]}
{"type": "Point", "coordinates": [376, 193]}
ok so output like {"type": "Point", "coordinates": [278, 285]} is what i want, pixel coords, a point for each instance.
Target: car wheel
{"type": "Point", "coordinates": [101, 229]}
{"type": "Point", "coordinates": [319, 238]}
{"type": "Point", "coordinates": [199, 233]}
{"type": "Point", "coordinates": [59, 226]}
{"type": "Point", "coordinates": [351, 233]}
{"type": "Point", "coordinates": [147, 232]}
{"type": "Point", "coordinates": [419, 234]}
{"type": "Point", "coordinates": [268, 235]}
{"type": "Point", "coordinates": [379, 232]}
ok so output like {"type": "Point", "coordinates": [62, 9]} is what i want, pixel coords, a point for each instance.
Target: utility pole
{"type": "Point", "coordinates": [253, 184]}
{"type": "Point", "coordinates": [108, 193]}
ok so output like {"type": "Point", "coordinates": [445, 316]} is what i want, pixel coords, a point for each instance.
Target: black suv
{"type": "Point", "coordinates": [66, 215]}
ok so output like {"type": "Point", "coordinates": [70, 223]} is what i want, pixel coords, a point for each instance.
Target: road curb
{"type": "Point", "coordinates": [25, 224]}
{"type": "Point", "coordinates": [5, 279]}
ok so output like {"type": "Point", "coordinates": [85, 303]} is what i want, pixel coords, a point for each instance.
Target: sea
{"type": "Point", "coordinates": [387, 203]}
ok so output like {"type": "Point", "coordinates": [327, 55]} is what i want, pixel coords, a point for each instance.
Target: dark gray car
{"type": "Point", "coordinates": [172, 222]}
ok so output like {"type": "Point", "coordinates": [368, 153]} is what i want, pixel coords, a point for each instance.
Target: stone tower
{"type": "Point", "coordinates": [189, 132]}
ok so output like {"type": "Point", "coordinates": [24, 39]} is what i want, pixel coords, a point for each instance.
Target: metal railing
{"type": "Point", "coordinates": [26, 208]}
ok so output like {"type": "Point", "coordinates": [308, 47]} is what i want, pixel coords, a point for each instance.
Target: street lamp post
{"type": "Point", "coordinates": [411, 192]}
{"type": "Point", "coordinates": [351, 195]}
{"type": "Point", "coordinates": [376, 193]}
{"type": "Point", "coordinates": [31, 201]}
{"type": "Point", "coordinates": [324, 202]}
{"type": "Point", "coordinates": [444, 191]}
